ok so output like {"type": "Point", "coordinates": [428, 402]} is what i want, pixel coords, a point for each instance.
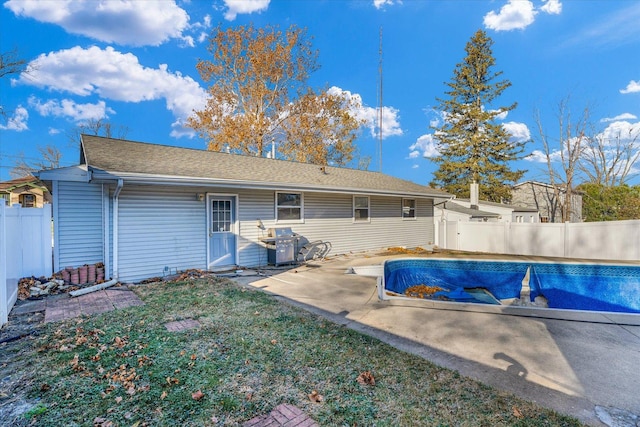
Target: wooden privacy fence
{"type": "Point", "coordinates": [610, 240]}
{"type": "Point", "coordinates": [25, 250]}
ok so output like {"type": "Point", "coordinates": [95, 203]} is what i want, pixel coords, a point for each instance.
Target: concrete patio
{"type": "Point", "coordinates": [584, 369]}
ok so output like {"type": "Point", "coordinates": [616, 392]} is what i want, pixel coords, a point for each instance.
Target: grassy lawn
{"type": "Point", "coordinates": [250, 354]}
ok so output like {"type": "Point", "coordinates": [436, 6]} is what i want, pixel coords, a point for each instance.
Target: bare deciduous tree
{"type": "Point", "coordinates": [10, 63]}
{"type": "Point", "coordinates": [51, 157]}
{"type": "Point", "coordinates": [563, 155]}
{"type": "Point", "coordinates": [609, 157]}
{"type": "Point", "coordinates": [96, 127]}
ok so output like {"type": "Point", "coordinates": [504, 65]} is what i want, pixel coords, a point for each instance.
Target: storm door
{"type": "Point", "coordinates": [222, 230]}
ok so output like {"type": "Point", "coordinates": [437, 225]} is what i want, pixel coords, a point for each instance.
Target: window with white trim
{"type": "Point", "coordinates": [288, 206]}
{"type": "Point", "coordinates": [361, 209]}
{"type": "Point", "coordinates": [408, 208]}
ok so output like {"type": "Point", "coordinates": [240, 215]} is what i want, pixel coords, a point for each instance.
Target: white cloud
{"type": "Point", "coordinates": [625, 131]}
{"type": "Point", "coordinates": [201, 28]}
{"type": "Point", "coordinates": [519, 131]}
{"type": "Point", "coordinates": [18, 122]}
{"type": "Point", "coordinates": [390, 115]}
{"type": "Point", "coordinates": [538, 156]}
{"type": "Point", "coordinates": [623, 116]}
{"type": "Point", "coordinates": [426, 144]}
{"type": "Point", "coordinates": [552, 7]}
{"type": "Point", "coordinates": [379, 4]}
{"type": "Point", "coordinates": [502, 115]}
{"type": "Point", "coordinates": [236, 7]}
{"type": "Point", "coordinates": [116, 76]}
{"type": "Point", "coordinates": [632, 87]}
{"type": "Point", "coordinates": [515, 15]}
{"type": "Point", "coordinates": [71, 109]}
{"type": "Point", "coordinates": [126, 22]}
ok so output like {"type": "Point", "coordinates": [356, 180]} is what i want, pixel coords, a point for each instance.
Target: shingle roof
{"type": "Point", "coordinates": [19, 182]}
{"type": "Point", "coordinates": [119, 157]}
{"type": "Point", "coordinates": [503, 205]}
{"type": "Point", "coordinates": [476, 213]}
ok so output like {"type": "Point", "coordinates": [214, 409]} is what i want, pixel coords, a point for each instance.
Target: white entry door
{"type": "Point", "coordinates": [222, 230]}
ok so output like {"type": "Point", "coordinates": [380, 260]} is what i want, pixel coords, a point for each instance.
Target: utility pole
{"type": "Point", "coordinates": [381, 104]}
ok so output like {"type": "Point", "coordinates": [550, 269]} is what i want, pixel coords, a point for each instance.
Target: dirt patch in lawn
{"type": "Point", "coordinates": [17, 349]}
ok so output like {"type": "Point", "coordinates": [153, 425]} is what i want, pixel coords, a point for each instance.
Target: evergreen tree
{"type": "Point", "coordinates": [471, 145]}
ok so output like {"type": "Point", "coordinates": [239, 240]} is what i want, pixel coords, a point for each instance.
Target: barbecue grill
{"type": "Point", "coordinates": [281, 245]}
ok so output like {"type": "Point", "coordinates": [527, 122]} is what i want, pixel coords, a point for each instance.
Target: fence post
{"type": "Point", "coordinates": [565, 250]}
{"type": "Point", "coordinates": [4, 298]}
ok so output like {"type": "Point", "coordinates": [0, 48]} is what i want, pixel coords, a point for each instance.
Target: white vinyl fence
{"type": "Point", "coordinates": [611, 240]}
{"type": "Point", "coordinates": [25, 250]}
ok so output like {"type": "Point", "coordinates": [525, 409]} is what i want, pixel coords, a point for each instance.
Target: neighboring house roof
{"type": "Point", "coordinates": [108, 158]}
{"type": "Point", "coordinates": [561, 187]}
{"type": "Point", "coordinates": [503, 205]}
{"type": "Point", "coordinates": [26, 181]}
{"type": "Point", "coordinates": [474, 213]}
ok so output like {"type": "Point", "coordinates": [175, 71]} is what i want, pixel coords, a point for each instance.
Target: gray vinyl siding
{"type": "Point", "coordinates": [166, 227]}
{"type": "Point", "coordinates": [329, 217]}
{"type": "Point", "coordinates": [159, 228]}
{"type": "Point", "coordinates": [79, 224]}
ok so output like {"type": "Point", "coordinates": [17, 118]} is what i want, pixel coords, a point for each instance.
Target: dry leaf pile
{"type": "Point", "coordinates": [366, 378]}
{"type": "Point", "coordinates": [423, 291]}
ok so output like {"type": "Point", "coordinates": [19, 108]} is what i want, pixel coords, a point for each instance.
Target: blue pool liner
{"type": "Point", "coordinates": [592, 287]}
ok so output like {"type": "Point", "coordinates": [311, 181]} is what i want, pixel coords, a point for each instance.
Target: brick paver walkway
{"type": "Point", "coordinates": [282, 415]}
{"type": "Point", "coordinates": [67, 307]}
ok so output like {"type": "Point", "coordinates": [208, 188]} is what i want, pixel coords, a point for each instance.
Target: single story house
{"type": "Point", "coordinates": [452, 211]}
{"type": "Point", "coordinates": [26, 191]}
{"type": "Point", "coordinates": [504, 212]}
{"type": "Point", "coordinates": [145, 209]}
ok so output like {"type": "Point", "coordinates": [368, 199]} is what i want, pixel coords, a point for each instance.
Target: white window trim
{"type": "Point", "coordinates": [288, 221]}
{"type": "Point", "coordinates": [415, 209]}
{"type": "Point", "coordinates": [353, 210]}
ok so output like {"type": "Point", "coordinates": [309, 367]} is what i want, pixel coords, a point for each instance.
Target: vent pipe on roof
{"type": "Point", "coordinates": [475, 197]}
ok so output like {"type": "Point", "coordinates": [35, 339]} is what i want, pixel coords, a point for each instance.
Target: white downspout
{"type": "Point", "coordinates": [116, 230]}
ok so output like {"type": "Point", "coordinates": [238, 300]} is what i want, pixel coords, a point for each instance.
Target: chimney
{"type": "Point", "coordinates": [474, 195]}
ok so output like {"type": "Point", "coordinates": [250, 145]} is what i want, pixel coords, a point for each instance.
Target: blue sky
{"type": "Point", "coordinates": [133, 63]}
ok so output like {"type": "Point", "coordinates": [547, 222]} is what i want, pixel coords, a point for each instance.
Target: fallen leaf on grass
{"type": "Point", "coordinates": [197, 395]}
{"type": "Point", "coordinates": [163, 395]}
{"type": "Point", "coordinates": [102, 422]}
{"type": "Point", "coordinates": [517, 413]}
{"type": "Point", "coordinates": [75, 363]}
{"type": "Point", "coordinates": [118, 399]}
{"type": "Point", "coordinates": [45, 387]}
{"type": "Point", "coordinates": [119, 342]}
{"type": "Point", "coordinates": [172, 381]}
{"type": "Point", "coordinates": [316, 397]}
{"type": "Point", "coordinates": [366, 378]}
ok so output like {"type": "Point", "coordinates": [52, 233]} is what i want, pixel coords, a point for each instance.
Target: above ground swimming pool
{"type": "Point", "coordinates": [568, 286]}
